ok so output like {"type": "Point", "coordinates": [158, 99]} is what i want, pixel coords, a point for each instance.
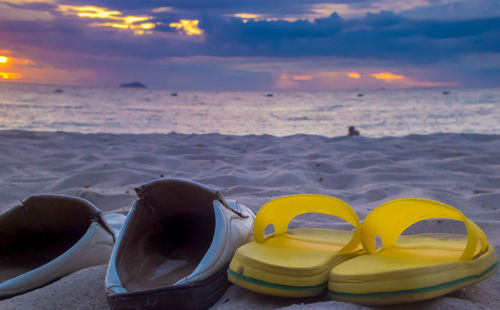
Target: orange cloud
{"type": "Point", "coordinates": [138, 24]}
{"type": "Point", "coordinates": [188, 26]}
{"type": "Point", "coordinates": [10, 63]}
{"type": "Point", "coordinates": [46, 74]}
{"type": "Point", "coordinates": [27, 70]}
{"type": "Point", "coordinates": [387, 76]}
{"type": "Point", "coordinates": [354, 75]}
{"type": "Point", "coordinates": [322, 80]}
{"type": "Point", "coordinates": [10, 75]}
{"type": "Point", "coordinates": [90, 12]}
{"type": "Point", "coordinates": [301, 77]}
{"type": "Point", "coordinates": [347, 80]}
{"type": "Point", "coordinates": [247, 15]}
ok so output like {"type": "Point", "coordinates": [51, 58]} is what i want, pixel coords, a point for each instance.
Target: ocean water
{"type": "Point", "coordinates": [123, 110]}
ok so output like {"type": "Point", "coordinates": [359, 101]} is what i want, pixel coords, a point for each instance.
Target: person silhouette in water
{"type": "Point", "coordinates": [353, 131]}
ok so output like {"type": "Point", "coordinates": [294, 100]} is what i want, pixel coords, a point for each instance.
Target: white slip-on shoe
{"type": "Point", "coordinates": [175, 247]}
{"type": "Point", "coordinates": [48, 237]}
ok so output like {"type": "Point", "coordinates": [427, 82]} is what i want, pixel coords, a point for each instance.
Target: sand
{"type": "Point", "coordinates": [461, 170]}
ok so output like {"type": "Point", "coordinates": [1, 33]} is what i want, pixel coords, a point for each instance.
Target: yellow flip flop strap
{"type": "Point", "coordinates": [279, 212]}
{"type": "Point", "coordinates": [392, 218]}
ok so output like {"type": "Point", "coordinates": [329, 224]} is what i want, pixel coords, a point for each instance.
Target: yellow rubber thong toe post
{"type": "Point", "coordinates": [294, 262]}
{"type": "Point", "coordinates": [413, 267]}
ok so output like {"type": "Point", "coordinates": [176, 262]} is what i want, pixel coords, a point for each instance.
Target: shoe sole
{"type": "Point", "coordinates": [198, 295]}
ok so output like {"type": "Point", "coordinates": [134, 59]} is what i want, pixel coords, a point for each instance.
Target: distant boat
{"type": "Point", "coordinates": [133, 85]}
{"type": "Point", "coordinates": [269, 95]}
{"type": "Point", "coordinates": [446, 92]}
{"type": "Point", "coordinates": [173, 94]}
{"type": "Point", "coordinates": [361, 95]}
{"type": "Point", "coordinates": [58, 91]}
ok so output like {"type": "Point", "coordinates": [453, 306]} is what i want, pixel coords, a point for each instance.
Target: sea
{"type": "Point", "coordinates": [374, 113]}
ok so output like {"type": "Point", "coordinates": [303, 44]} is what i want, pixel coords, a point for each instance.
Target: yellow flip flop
{"type": "Point", "coordinates": [416, 267]}
{"type": "Point", "coordinates": [295, 262]}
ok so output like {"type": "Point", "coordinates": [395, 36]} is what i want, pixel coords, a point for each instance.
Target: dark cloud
{"type": "Point", "coordinates": [385, 36]}
{"type": "Point", "coordinates": [396, 40]}
{"type": "Point", "coordinates": [119, 4]}
{"type": "Point", "coordinates": [275, 7]}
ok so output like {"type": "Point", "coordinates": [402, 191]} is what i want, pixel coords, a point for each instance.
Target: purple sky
{"type": "Point", "coordinates": [252, 44]}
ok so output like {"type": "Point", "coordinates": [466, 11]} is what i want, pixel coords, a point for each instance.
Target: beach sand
{"type": "Point", "coordinates": [460, 170]}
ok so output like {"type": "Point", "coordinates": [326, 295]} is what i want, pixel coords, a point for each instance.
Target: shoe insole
{"type": "Point", "coordinates": [30, 252]}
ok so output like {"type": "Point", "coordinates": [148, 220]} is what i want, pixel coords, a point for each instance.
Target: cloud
{"type": "Point", "coordinates": [354, 75]}
{"type": "Point", "coordinates": [387, 76]}
{"type": "Point", "coordinates": [26, 11]}
{"type": "Point", "coordinates": [112, 18]}
{"type": "Point", "coordinates": [321, 49]}
{"type": "Point", "coordinates": [301, 77]}
{"type": "Point", "coordinates": [281, 9]}
{"type": "Point", "coordinates": [10, 75]}
{"type": "Point", "coordinates": [382, 36]}
{"type": "Point", "coordinates": [265, 8]}
{"type": "Point", "coordinates": [189, 27]}
{"type": "Point", "coordinates": [163, 9]}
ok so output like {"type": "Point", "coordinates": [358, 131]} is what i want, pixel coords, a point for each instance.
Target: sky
{"type": "Point", "coordinates": [313, 45]}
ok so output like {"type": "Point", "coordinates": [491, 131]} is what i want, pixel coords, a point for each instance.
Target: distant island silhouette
{"type": "Point", "coordinates": [133, 85]}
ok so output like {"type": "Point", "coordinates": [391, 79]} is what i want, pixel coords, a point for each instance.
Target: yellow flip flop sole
{"type": "Point", "coordinates": [296, 262]}
{"type": "Point", "coordinates": [413, 267]}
